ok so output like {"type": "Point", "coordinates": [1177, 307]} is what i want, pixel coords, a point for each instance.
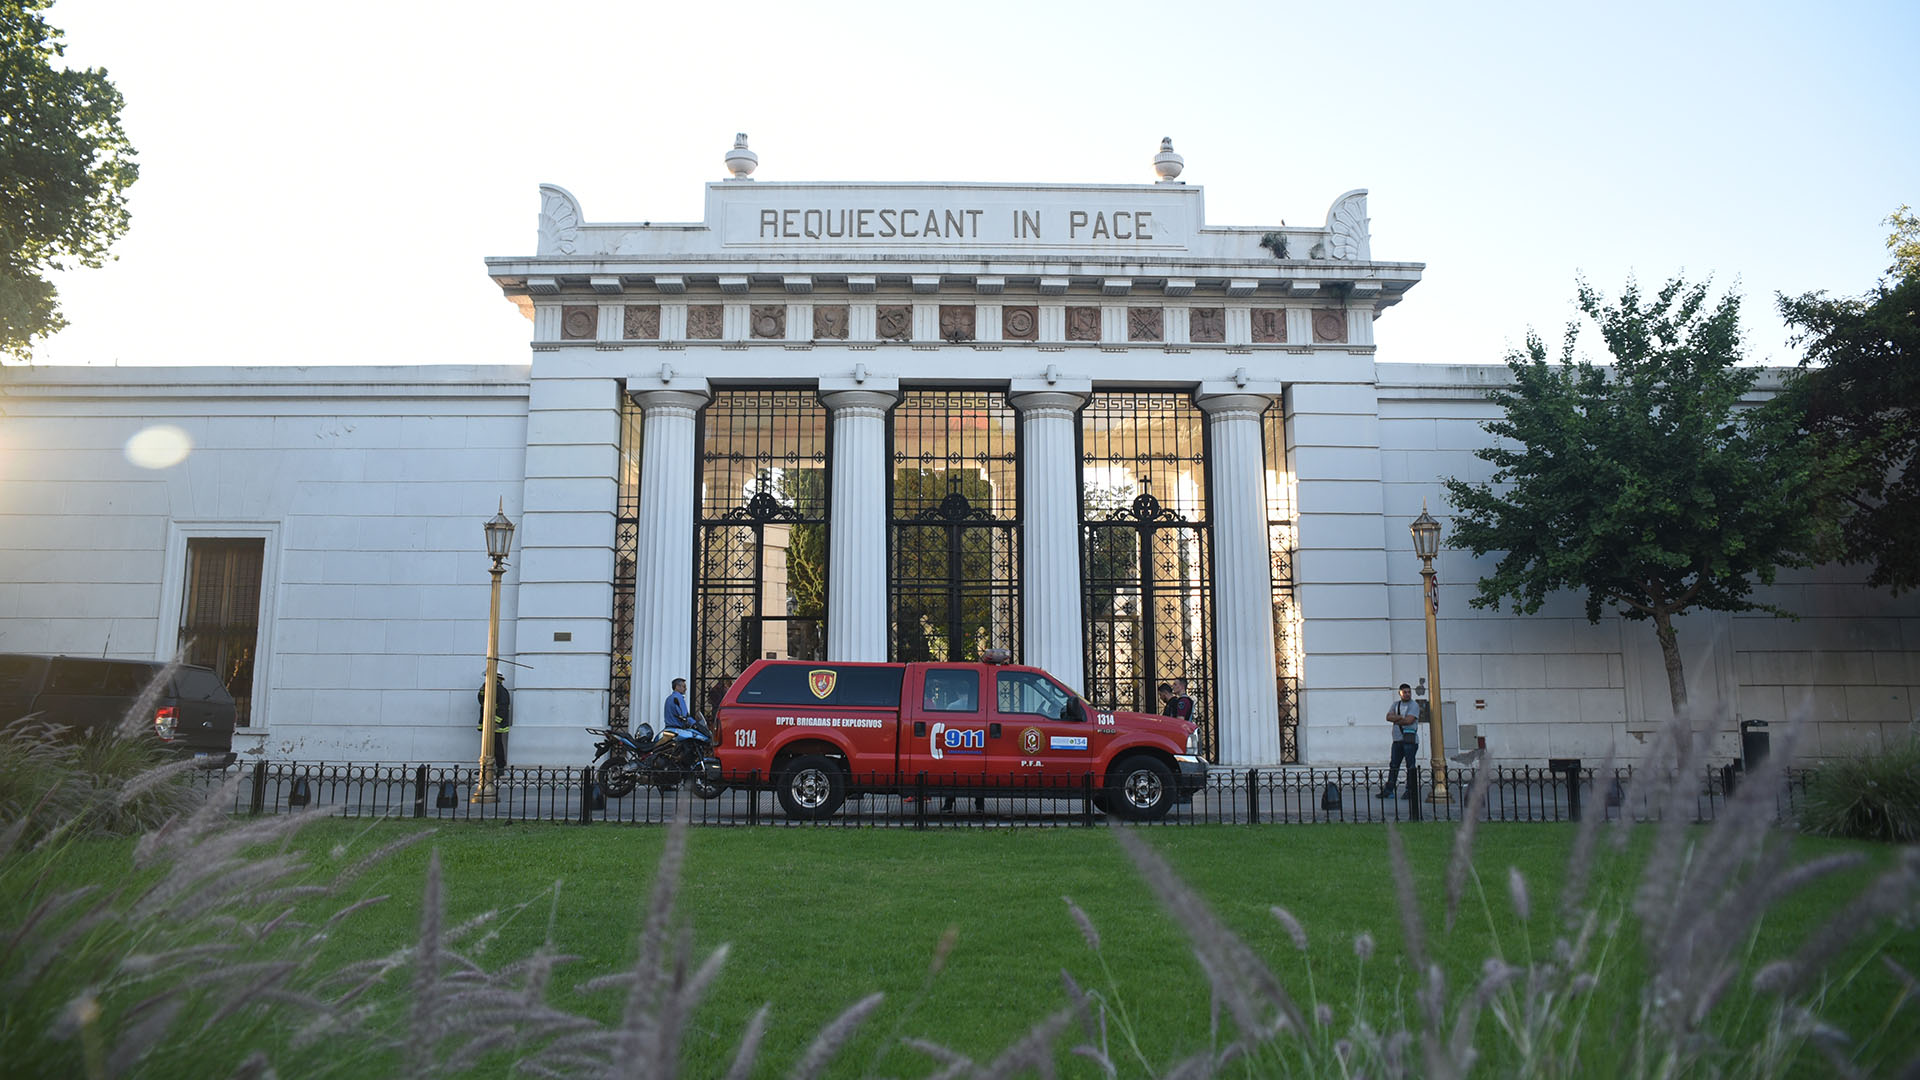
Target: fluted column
{"type": "Point", "coordinates": [663, 567]}
{"type": "Point", "coordinates": [1050, 631]}
{"type": "Point", "coordinates": [857, 525]}
{"type": "Point", "coordinates": [1246, 690]}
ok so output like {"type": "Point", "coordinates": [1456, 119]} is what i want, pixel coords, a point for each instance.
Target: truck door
{"type": "Point", "coordinates": [943, 726]}
{"type": "Point", "coordinates": [1037, 744]}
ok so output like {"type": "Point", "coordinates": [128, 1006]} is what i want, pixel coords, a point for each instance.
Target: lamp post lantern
{"type": "Point", "coordinates": [499, 530]}
{"type": "Point", "coordinates": [1426, 544]}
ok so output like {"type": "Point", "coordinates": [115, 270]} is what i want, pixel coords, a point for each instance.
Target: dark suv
{"type": "Point", "coordinates": [193, 716]}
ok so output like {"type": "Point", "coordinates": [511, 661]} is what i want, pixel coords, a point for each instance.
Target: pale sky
{"type": "Point", "coordinates": [319, 183]}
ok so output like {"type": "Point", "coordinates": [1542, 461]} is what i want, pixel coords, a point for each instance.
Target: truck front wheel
{"type": "Point", "coordinates": [812, 787]}
{"type": "Point", "coordinates": [1142, 789]}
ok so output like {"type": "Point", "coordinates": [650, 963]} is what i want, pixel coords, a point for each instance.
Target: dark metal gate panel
{"type": "Point", "coordinates": [626, 553]}
{"type": "Point", "coordinates": [760, 545]}
{"type": "Point", "coordinates": [1145, 548]}
{"type": "Point", "coordinates": [955, 526]}
{"type": "Point", "coordinates": [1286, 612]}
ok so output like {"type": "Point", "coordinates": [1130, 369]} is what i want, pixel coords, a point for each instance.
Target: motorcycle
{"type": "Point", "coordinates": [640, 757]}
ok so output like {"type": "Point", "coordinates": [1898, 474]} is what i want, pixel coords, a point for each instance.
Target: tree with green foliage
{"type": "Point", "coordinates": [65, 166]}
{"type": "Point", "coordinates": [1643, 483]}
{"type": "Point", "coordinates": [1857, 398]}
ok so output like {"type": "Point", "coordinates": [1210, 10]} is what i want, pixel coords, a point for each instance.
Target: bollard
{"type": "Point", "coordinates": [1087, 816]}
{"type": "Point", "coordinates": [920, 802]}
{"type": "Point", "coordinates": [1413, 793]}
{"type": "Point", "coordinates": [1253, 796]}
{"type": "Point", "coordinates": [259, 787]}
{"type": "Point", "coordinates": [420, 792]}
{"type": "Point", "coordinates": [753, 797]}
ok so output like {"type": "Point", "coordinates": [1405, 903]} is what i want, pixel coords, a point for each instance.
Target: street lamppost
{"type": "Point", "coordinates": [499, 530]}
{"type": "Point", "coordinates": [1426, 544]}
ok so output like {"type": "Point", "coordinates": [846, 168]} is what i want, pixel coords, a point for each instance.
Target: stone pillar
{"type": "Point", "coordinates": [1246, 688]}
{"type": "Point", "coordinates": [857, 523]}
{"type": "Point", "coordinates": [1050, 630]}
{"type": "Point", "coordinates": [663, 570]}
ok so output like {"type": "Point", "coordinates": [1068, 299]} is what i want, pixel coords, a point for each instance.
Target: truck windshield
{"type": "Point", "coordinates": [1030, 693]}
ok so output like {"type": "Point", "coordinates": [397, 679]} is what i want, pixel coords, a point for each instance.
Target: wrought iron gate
{"type": "Point", "coordinates": [626, 554]}
{"type": "Point", "coordinates": [1146, 563]}
{"type": "Point", "coordinates": [1286, 612]}
{"type": "Point", "coordinates": [760, 545]}
{"type": "Point", "coordinates": [955, 525]}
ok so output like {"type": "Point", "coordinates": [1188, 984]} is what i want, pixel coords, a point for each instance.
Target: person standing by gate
{"type": "Point", "coordinates": [1404, 715]}
{"type": "Point", "coordinates": [502, 716]}
{"type": "Point", "coordinates": [1181, 706]}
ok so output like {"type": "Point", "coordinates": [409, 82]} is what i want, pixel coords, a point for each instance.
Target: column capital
{"type": "Point", "coordinates": [1046, 402]}
{"type": "Point", "coordinates": [1222, 406]}
{"type": "Point", "coordinates": [849, 400]}
{"type": "Point", "coordinates": [679, 393]}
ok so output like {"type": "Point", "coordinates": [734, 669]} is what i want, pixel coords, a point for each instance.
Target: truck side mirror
{"type": "Point", "coordinates": [1074, 711]}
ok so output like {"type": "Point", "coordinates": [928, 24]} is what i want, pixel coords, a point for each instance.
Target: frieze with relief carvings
{"type": "Point", "coordinates": [830, 322]}
{"type": "Point", "coordinates": [1269, 326]}
{"type": "Point", "coordinates": [768, 321]}
{"type": "Point", "coordinates": [956, 322]}
{"type": "Point", "coordinates": [1083, 324]}
{"type": "Point", "coordinates": [1144, 324]}
{"type": "Point", "coordinates": [1020, 323]}
{"type": "Point", "coordinates": [579, 323]}
{"type": "Point", "coordinates": [893, 322]}
{"type": "Point", "coordinates": [642, 322]}
{"type": "Point", "coordinates": [1329, 325]}
{"type": "Point", "coordinates": [704, 321]}
{"type": "Point", "coordinates": [1207, 324]}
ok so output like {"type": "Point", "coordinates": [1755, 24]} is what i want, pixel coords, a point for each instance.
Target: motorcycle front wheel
{"type": "Point", "coordinates": [615, 779]}
{"type": "Point", "coordinates": [707, 789]}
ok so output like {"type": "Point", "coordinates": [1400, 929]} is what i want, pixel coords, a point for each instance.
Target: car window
{"type": "Point", "coordinates": [951, 691]}
{"type": "Point", "coordinates": [130, 680]}
{"type": "Point", "coordinates": [829, 684]}
{"type": "Point", "coordinates": [77, 677]}
{"type": "Point", "coordinates": [197, 684]}
{"type": "Point", "coordinates": [1030, 694]}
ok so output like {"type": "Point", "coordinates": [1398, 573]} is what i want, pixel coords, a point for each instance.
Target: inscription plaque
{"type": "Point", "coordinates": [579, 323]}
{"type": "Point", "coordinates": [1020, 323]}
{"type": "Point", "coordinates": [703, 322]}
{"type": "Point", "coordinates": [1269, 326]}
{"type": "Point", "coordinates": [893, 322]}
{"type": "Point", "coordinates": [830, 322]}
{"type": "Point", "coordinates": [1083, 324]}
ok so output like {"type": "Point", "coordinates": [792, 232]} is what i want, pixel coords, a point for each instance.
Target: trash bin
{"type": "Point", "coordinates": [1755, 743]}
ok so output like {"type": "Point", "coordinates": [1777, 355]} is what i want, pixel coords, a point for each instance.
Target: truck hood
{"type": "Point", "coordinates": [1167, 726]}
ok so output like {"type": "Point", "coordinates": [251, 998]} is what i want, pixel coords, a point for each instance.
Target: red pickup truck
{"type": "Point", "coordinates": [822, 731]}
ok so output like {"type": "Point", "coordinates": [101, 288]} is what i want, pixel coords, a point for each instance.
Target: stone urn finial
{"type": "Point", "coordinates": [1168, 164]}
{"type": "Point", "coordinates": [741, 161]}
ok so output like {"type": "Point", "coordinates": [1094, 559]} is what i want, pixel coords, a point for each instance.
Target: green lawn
{"type": "Point", "coordinates": [818, 918]}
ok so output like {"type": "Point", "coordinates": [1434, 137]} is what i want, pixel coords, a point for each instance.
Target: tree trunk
{"type": "Point", "coordinates": [1670, 652]}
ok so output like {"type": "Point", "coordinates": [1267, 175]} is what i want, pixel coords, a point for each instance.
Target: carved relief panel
{"type": "Point", "coordinates": [703, 322]}
{"type": "Point", "coordinates": [579, 323]}
{"type": "Point", "coordinates": [1269, 326]}
{"type": "Point", "coordinates": [893, 322]}
{"type": "Point", "coordinates": [1083, 324]}
{"type": "Point", "coordinates": [1143, 324]}
{"type": "Point", "coordinates": [830, 322]}
{"type": "Point", "coordinates": [642, 322]}
{"type": "Point", "coordinates": [1207, 324]}
{"type": "Point", "coordinates": [1329, 325]}
{"type": "Point", "coordinates": [768, 321]}
{"type": "Point", "coordinates": [1020, 323]}
{"type": "Point", "coordinates": [956, 322]}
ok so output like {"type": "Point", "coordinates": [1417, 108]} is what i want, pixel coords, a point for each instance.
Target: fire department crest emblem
{"type": "Point", "coordinates": [1030, 741]}
{"type": "Point", "coordinates": [821, 681]}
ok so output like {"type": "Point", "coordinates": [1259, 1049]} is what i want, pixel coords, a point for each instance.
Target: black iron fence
{"type": "Point", "coordinates": [1244, 797]}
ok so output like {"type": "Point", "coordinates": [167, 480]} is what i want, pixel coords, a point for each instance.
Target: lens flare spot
{"type": "Point", "coordinates": [160, 446]}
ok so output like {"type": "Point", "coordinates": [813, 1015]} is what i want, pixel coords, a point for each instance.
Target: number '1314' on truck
{"type": "Point", "coordinates": [825, 731]}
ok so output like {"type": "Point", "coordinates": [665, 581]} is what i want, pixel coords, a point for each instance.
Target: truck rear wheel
{"type": "Point", "coordinates": [1142, 789]}
{"type": "Point", "coordinates": [812, 787]}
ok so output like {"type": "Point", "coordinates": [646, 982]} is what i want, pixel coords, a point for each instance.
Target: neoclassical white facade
{"type": "Point", "coordinates": [862, 422]}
